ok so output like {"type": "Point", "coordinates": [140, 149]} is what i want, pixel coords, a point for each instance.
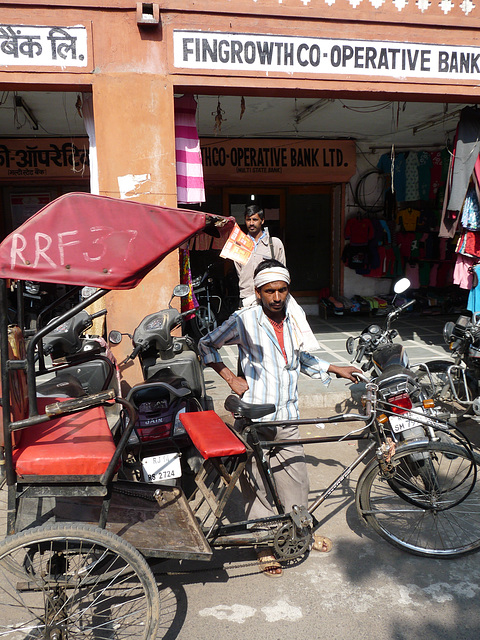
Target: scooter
{"type": "Point", "coordinates": [159, 449]}
{"type": "Point", "coordinates": [82, 363]}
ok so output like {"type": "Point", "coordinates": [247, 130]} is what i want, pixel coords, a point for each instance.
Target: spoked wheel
{"type": "Point", "coordinates": [75, 581]}
{"type": "Point", "coordinates": [441, 391]}
{"type": "Point", "coordinates": [203, 322]}
{"type": "Point", "coordinates": [434, 517]}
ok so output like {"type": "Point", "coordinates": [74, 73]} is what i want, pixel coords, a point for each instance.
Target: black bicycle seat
{"type": "Point", "coordinates": [236, 405]}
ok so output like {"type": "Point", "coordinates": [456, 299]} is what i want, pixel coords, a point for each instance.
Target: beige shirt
{"type": "Point", "coordinates": [261, 252]}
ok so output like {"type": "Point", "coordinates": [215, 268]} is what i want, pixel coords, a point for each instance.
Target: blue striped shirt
{"type": "Point", "coordinates": [270, 378]}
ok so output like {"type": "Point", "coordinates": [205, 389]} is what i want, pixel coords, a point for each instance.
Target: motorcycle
{"type": "Point", "coordinates": [454, 386]}
{"type": "Point", "coordinates": [159, 449]}
{"type": "Point", "coordinates": [407, 411]}
{"type": "Point", "coordinates": [210, 304]}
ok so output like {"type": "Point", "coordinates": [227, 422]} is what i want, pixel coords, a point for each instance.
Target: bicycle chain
{"type": "Point", "coordinates": [151, 498]}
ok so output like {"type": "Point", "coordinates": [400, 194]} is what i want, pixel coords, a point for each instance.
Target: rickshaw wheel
{"type": "Point", "coordinates": [75, 581]}
{"type": "Point", "coordinates": [290, 544]}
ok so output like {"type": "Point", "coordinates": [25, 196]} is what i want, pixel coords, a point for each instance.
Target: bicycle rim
{"type": "Point", "coordinates": [438, 518]}
{"type": "Point", "coordinates": [75, 582]}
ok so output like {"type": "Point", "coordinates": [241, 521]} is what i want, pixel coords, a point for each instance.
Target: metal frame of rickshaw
{"type": "Point", "coordinates": [61, 485]}
{"type": "Point", "coordinates": [225, 478]}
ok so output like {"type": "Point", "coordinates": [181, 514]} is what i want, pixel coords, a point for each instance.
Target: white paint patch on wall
{"type": "Point", "coordinates": [131, 186]}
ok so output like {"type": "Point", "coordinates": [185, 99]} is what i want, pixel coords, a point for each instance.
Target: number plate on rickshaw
{"type": "Point", "coordinates": [162, 468]}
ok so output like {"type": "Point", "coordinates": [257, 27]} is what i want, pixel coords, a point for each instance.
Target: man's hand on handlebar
{"type": "Point", "coordinates": [346, 372]}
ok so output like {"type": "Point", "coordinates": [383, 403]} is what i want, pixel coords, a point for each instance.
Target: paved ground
{"type": "Point", "coordinates": [421, 335]}
{"type": "Point", "coordinates": [364, 589]}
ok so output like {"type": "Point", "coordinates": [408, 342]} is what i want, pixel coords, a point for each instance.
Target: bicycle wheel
{"type": "Point", "coordinates": [203, 322]}
{"type": "Point", "coordinates": [438, 517]}
{"type": "Point", "coordinates": [441, 391]}
{"type": "Point", "coordinates": [66, 581]}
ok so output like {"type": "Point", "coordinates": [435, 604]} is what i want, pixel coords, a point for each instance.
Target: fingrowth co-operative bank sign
{"type": "Point", "coordinates": [252, 53]}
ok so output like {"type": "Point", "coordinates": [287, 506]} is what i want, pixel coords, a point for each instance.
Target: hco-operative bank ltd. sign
{"type": "Point", "coordinates": [251, 52]}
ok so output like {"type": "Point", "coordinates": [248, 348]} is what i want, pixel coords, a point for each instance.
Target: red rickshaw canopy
{"type": "Point", "coordinates": [85, 239]}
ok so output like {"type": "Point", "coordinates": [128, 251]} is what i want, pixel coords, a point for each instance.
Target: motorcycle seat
{"type": "Point", "coordinates": [395, 371]}
{"type": "Point", "coordinates": [236, 405]}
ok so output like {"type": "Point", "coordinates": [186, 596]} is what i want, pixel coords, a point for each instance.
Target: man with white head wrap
{"type": "Point", "coordinates": [271, 338]}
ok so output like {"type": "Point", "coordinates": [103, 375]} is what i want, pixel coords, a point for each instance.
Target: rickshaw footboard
{"type": "Point", "coordinates": [155, 519]}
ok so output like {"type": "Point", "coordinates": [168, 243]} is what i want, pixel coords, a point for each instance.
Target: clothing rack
{"type": "Point", "coordinates": [407, 147]}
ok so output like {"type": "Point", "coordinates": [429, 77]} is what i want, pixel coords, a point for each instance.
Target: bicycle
{"type": "Point", "coordinates": [421, 496]}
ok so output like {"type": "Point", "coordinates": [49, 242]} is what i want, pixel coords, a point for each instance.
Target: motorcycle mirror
{"type": "Point", "coordinates": [181, 290]}
{"type": "Point", "coordinates": [115, 337]}
{"type": "Point", "coordinates": [350, 345]}
{"type": "Point", "coordinates": [402, 285]}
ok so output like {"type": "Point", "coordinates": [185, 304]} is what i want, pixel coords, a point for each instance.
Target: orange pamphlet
{"type": "Point", "coordinates": [239, 247]}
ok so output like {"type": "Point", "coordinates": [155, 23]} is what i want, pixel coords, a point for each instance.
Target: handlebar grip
{"type": "Point", "coordinates": [77, 404]}
{"type": "Point", "coordinates": [360, 354]}
{"type": "Point", "coordinates": [98, 314]}
{"type": "Point", "coordinates": [135, 352]}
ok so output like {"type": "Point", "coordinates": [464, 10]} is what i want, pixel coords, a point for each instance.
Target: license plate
{"type": "Point", "coordinates": [162, 468]}
{"type": "Point", "coordinates": [399, 424]}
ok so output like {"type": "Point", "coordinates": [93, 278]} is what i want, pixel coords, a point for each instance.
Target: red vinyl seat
{"type": "Point", "coordinates": [77, 444]}
{"type": "Point", "coordinates": [210, 435]}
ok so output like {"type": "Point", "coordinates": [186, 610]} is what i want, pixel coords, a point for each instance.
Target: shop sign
{"type": "Point", "coordinates": [36, 46]}
{"type": "Point", "coordinates": [323, 56]}
{"type": "Point", "coordinates": [22, 158]}
{"type": "Point", "coordinates": [272, 160]}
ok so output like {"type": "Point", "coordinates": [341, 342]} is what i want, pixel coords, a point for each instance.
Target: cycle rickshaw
{"type": "Point", "coordinates": [75, 560]}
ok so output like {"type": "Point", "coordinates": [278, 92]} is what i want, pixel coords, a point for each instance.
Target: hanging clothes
{"type": "Point", "coordinates": [473, 304]}
{"type": "Point", "coordinates": [399, 178]}
{"type": "Point", "coordinates": [467, 149]}
{"type": "Point", "coordinates": [188, 303]}
{"type": "Point", "coordinates": [471, 210]}
{"type": "Point", "coordinates": [424, 174]}
{"type": "Point", "coordinates": [412, 192]}
{"type": "Point", "coordinates": [190, 185]}
{"type": "Point", "coordinates": [463, 271]}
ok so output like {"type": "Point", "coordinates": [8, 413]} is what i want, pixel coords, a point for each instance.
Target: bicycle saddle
{"type": "Point", "coordinates": [236, 405]}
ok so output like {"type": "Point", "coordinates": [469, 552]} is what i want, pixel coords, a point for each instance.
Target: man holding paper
{"type": "Point", "coordinates": [265, 247]}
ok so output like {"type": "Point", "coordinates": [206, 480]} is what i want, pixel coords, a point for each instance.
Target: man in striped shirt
{"type": "Point", "coordinates": [270, 338]}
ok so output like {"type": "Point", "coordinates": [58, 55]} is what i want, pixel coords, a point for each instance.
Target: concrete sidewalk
{"type": "Point", "coordinates": [421, 335]}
